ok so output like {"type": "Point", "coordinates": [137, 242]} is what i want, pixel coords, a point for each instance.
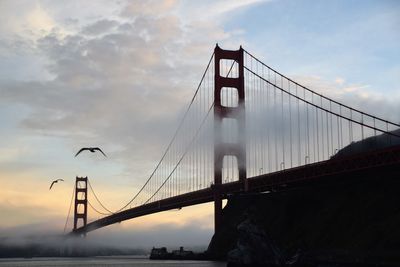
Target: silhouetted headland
{"type": "Point", "coordinates": [337, 221]}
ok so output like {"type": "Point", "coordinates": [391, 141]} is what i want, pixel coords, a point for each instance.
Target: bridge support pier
{"type": "Point", "coordinates": [80, 201]}
{"type": "Point", "coordinates": [217, 208]}
{"type": "Point", "coordinates": [235, 111]}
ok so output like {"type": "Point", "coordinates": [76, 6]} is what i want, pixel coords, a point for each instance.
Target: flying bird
{"type": "Point", "coordinates": [91, 149]}
{"type": "Point", "coordinates": [55, 181]}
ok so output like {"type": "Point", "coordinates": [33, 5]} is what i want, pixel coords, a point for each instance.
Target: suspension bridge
{"type": "Point", "coordinates": [249, 128]}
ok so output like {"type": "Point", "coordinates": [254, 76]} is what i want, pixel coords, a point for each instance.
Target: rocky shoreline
{"type": "Point", "coordinates": [348, 223]}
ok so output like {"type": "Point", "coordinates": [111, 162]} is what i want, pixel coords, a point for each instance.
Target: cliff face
{"type": "Point", "coordinates": [355, 220]}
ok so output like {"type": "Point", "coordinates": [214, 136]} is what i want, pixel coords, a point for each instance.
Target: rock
{"type": "Point", "coordinates": [254, 247]}
{"type": "Point", "coordinates": [353, 220]}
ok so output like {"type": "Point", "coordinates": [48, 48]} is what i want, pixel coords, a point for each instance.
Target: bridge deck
{"type": "Point", "coordinates": [337, 168]}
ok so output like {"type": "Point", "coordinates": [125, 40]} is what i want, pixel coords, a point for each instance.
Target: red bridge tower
{"type": "Point", "coordinates": [80, 201]}
{"type": "Point", "coordinates": [221, 112]}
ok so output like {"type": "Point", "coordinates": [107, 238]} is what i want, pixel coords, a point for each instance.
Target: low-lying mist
{"type": "Point", "coordinates": [115, 240]}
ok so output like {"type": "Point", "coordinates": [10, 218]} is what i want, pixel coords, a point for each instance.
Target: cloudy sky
{"type": "Point", "coordinates": [118, 74]}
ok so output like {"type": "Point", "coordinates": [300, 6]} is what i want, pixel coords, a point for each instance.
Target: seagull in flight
{"type": "Point", "coordinates": [55, 181]}
{"type": "Point", "coordinates": [91, 149]}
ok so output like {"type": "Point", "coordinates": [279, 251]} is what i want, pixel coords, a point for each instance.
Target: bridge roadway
{"type": "Point", "coordinates": [332, 170]}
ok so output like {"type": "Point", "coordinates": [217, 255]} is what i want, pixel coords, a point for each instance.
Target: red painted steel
{"type": "Point", "coordinates": [80, 187]}
{"type": "Point", "coordinates": [220, 112]}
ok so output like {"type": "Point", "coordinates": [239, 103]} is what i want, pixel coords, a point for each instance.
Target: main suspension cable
{"type": "Point", "coordinates": [69, 210]}
{"type": "Point", "coordinates": [98, 200]}
{"type": "Point", "coordinates": [318, 94]}
{"type": "Point", "coordinates": [188, 147]}
{"type": "Point", "coordinates": [183, 155]}
{"type": "Point", "coordinates": [327, 110]}
{"type": "Point", "coordinates": [96, 210]}
{"type": "Point", "coordinates": [172, 140]}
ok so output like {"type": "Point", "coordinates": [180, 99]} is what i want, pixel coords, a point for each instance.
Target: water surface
{"type": "Point", "coordinates": [105, 262]}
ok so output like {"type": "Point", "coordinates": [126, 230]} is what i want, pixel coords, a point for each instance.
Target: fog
{"type": "Point", "coordinates": [117, 239]}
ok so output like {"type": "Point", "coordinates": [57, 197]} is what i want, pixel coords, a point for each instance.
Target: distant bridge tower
{"type": "Point", "coordinates": [236, 111]}
{"type": "Point", "coordinates": [80, 201]}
